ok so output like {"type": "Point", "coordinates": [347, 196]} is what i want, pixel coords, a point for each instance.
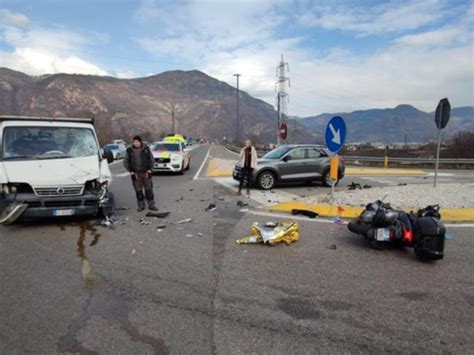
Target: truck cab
{"type": "Point", "coordinates": [52, 167]}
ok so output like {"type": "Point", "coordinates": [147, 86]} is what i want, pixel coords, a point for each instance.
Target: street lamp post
{"type": "Point", "coordinates": [237, 135]}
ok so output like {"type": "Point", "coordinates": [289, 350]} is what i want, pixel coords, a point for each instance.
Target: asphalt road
{"type": "Point", "coordinates": [78, 287]}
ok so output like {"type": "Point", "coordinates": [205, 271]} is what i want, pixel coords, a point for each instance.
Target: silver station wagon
{"type": "Point", "coordinates": [292, 163]}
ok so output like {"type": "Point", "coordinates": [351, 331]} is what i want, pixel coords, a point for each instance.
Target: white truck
{"type": "Point", "coordinates": [52, 167]}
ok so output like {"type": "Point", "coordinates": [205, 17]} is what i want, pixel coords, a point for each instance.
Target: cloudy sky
{"type": "Point", "coordinates": [343, 55]}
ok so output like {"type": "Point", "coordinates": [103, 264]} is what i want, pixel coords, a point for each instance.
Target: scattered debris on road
{"type": "Point", "coordinates": [332, 247]}
{"type": "Point", "coordinates": [242, 204]}
{"type": "Point", "coordinates": [133, 251]}
{"type": "Point", "coordinates": [144, 223]}
{"type": "Point", "coordinates": [244, 210]}
{"type": "Point", "coordinates": [189, 236]}
{"type": "Point", "coordinates": [187, 220]}
{"type": "Point", "coordinates": [283, 232]}
{"type": "Point", "coordinates": [211, 207]}
{"type": "Point", "coordinates": [354, 185]}
{"type": "Point", "coordinates": [157, 214]}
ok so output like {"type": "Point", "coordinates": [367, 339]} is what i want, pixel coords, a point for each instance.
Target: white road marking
{"type": "Point", "coordinates": [122, 174]}
{"type": "Point", "coordinates": [202, 165]}
{"type": "Point", "coordinates": [440, 174]}
{"type": "Point", "coordinates": [459, 225]}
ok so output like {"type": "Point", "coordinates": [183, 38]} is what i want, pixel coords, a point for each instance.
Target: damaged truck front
{"type": "Point", "coordinates": [52, 167]}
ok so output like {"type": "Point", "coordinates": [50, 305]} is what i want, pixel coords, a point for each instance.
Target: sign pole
{"type": "Point", "coordinates": [437, 156]}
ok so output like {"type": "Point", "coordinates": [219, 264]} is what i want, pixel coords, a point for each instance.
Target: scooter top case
{"type": "Point", "coordinates": [429, 238]}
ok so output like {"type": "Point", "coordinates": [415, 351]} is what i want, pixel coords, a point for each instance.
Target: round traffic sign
{"type": "Point", "coordinates": [335, 134]}
{"type": "Point", "coordinates": [283, 130]}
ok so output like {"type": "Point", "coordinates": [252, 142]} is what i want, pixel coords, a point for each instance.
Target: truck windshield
{"type": "Point", "coordinates": [28, 143]}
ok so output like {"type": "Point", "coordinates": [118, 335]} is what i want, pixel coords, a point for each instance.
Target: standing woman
{"type": "Point", "coordinates": [248, 162]}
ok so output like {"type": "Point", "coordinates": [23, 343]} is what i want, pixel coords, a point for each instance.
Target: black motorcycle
{"type": "Point", "coordinates": [422, 231]}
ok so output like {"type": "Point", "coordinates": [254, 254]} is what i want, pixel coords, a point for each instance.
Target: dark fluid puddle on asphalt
{"type": "Point", "coordinates": [86, 268]}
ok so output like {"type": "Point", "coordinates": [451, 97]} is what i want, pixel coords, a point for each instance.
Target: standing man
{"type": "Point", "coordinates": [248, 162]}
{"type": "Point", "coordinates": [139, 162]}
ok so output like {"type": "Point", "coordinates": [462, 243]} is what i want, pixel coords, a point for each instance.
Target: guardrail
{"type": "Point", "coordinates": [453, 162]}
{"type": "Point", "coordinates": [409, 160]}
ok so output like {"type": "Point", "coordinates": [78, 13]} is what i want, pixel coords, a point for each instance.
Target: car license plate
{"type": "Point", "coordinates": [59, 213]}
{"type": "Point", "coordinates": [383, 234]}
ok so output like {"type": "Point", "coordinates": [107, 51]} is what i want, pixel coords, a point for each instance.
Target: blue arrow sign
{"type": "Point", "coordinates": [335, 134]}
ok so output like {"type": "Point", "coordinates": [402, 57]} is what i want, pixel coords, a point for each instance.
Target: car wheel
{"type": "Point", "coordinates": [326, 180]}
{"type": "Point", "coordinates": [266, 180]}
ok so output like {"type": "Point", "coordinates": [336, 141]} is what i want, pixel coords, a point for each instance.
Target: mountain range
{"type": "Point", "coordinates": [202, 107]}
{"type": "Point", "coordinates": [394, 125]}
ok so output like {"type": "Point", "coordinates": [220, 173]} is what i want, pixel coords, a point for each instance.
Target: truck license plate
{"type": "Point", "coordinates": [383, 234]}
{"type": "Point", "coordinates": [58, 213]}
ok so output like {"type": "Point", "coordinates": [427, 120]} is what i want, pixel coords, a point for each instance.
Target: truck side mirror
{"type": "Point", "coordinates": [107, 154]}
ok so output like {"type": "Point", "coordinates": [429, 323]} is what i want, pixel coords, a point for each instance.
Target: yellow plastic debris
{"type": "Point", "coordinates": [283, 232]}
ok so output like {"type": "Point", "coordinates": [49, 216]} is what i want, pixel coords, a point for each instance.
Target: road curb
{"type": "Point", "coordinates": [348, 212]}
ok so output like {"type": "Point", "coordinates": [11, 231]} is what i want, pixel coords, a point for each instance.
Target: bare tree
{"type": "Point", "coordinates": [461, 145]}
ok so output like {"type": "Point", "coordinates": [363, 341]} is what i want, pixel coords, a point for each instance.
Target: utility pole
{"type": "Point", "coordinates": [173, 129]}
{"type": "Point", "coordinates": [237, 133]}
{"type": "Point", "coordinates": [282, 95]}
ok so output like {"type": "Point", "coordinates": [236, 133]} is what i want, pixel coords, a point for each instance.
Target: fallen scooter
{"type": "Point", "coordinates": [422, 231]}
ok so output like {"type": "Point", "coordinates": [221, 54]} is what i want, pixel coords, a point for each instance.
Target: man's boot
{"type": "Point", "coordinates": [140, 201]}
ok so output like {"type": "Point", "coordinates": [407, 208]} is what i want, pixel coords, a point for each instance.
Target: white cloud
{"type": "Point", "coordinates": [442, 37]}
{"type": "Point", "coordinates": [379, 19]}
{"type": "Point", "coordinates": [126, 74]}
{"type": "Point", "coordinates": [35, 61]}
{"type": "Point", "coordinates": [415, 69]}
{"type": "Point", "coordinates": [40, 50]}
{"type": "Point", "coordinates": [13, 18]}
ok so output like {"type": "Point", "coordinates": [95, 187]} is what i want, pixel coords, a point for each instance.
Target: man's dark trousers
{"type": "Point", "coordinates": [143, 181]}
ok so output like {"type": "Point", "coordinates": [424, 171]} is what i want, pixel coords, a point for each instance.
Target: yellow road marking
{"type": "Point", "coordinates": [384, 171]}
{"type": "Point", "coordinates": [324, 210]}
{"type": "Point", "coordinates": [214, 170]}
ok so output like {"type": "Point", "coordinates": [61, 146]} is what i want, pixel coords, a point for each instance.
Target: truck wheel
{"type": "Point", "coordinates": [266, 180]}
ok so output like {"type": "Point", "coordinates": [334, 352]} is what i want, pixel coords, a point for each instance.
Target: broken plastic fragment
{"type": "Point", "coordinates": [284, 232]}
{"type": "Point", "coordinates": [211, 207]}
{"type": "Point", "coordinates": [144, 223]}
{"type": "Point", "coordinates": [242, 204]}
{"type": "Point", "coordinates": [189, 236]}
{"type": "Point", "coordinates": [157, 214]}
{"type": "Point", "coordinates": [13, 212]}
{"type": "Point", "coordinates": [187, 220]}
